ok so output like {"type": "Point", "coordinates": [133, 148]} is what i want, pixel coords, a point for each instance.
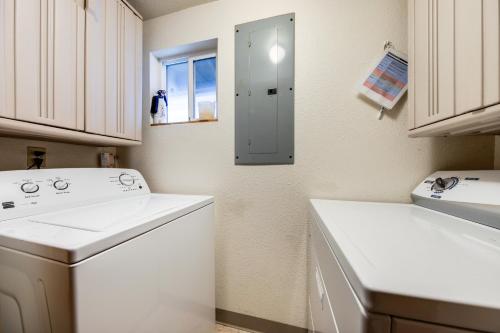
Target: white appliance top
{"type": "Point", "coordinates": [412, 262]}
{"type": "Point", "coordinates": [70, 214]}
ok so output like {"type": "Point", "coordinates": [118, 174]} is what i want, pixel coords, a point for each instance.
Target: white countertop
{"type": "Point", "coordinates": [413, 262]}
{"type": "Point", "coordinates": [74, 234]}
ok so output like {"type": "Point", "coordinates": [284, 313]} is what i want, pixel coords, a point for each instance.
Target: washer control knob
{"type": "Point", "coordinates": [441, 184]}
{"type": "Point", "coordinates": [61, 185]}
{"type": "Point", "coordinates": [126, 179]}
{"type": "Point", "coordinates": [30, 187]}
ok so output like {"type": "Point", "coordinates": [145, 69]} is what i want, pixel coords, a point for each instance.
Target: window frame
{"type": "Point", "coordinates": [190, 59]}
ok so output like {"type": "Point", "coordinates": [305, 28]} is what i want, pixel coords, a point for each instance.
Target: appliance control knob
{"type": "Point", "coordinates": [441, 184]}
{"type": "Point", "coordinates": [61, 185]}
{"type": "Point", "coordinates": [126, 179]}
{"type": "Point", "coordinates": [30, 187]}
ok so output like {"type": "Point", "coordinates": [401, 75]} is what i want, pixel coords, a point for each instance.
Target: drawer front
{"type": "Point", "coordinates": [350, 315]}
{"type": "Point", "coordinates": [322, 317]}
{"type": "Point", "coordinates": [408, 326]}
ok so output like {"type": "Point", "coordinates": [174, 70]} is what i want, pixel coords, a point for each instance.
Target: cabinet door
{"type": "Point", "coordinates": [443, 59]}
{"type": "Point", "coordinates": [491, 45]}
{"type": "Point", "coordinates": [113, 67]}
{"type": "Point", "coordinates": [468, 55]}
{"type": "Point", "coordinates": [29, 61]}
{"type": "Point", "coordinates": [120, 78]}
{"type": "Point", "coordinates": [114, 70]}
{"type": "Point", "coordinates": [68, 63]}
{"type": "Point", "coordinates": [420, 65]}
{"type": "Point", "coordinates": [138, 79]}
{"type": "Point", "coordinates": [7, 94]}
{"type": "Point", "coordinates": [129, 70]}
{"type": "Point", "coordinates": [420, 62]}
{"type": "Point", "coordinates": [95, 69]}
{"type": "Point", "coordinates": [431, 67]}
{"type": "Point", "coordinates": [50, 62]}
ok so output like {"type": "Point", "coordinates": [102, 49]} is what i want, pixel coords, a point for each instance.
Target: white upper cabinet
{"type": "Point", "coordinates": [95, 60]}
{"type": "Point", "coordinates": [454, 51]}
{"type": "Point", "coordinates": [71, 70]}
{"type": "Point", "coordinates": [49, 62]}
{"type": "Point", "coordinates": [7, 92]}
{"type": "Point", "coordinates": [114, 70]}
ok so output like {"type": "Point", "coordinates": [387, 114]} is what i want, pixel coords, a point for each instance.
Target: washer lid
{"type": "Point", "coordinates": [74, 234]}
{"type": "Point", "coordinates": [412, 262]}
{"type": "Point", "coordinates": [100, 217]}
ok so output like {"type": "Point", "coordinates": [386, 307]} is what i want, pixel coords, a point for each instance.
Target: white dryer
{"type": "Point", "coordinates": [92, 250]}
{"type": "Point", "coordinates": [428, 267]}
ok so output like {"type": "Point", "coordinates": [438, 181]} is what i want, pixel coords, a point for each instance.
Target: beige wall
{"type": "Point", "coordinates": [59, 155]}
{"type": "Point", "coordinates": [342, 150]}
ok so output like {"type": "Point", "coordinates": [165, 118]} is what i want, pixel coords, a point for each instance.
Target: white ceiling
{"type": "Point", "coordinates": [153, 8]}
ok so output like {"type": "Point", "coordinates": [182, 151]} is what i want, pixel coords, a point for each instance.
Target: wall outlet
{"type": "Point", "coordinates": [34, 153]}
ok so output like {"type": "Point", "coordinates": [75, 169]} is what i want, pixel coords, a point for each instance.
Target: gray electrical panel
{"type": "Point", "coordinates": [264, 119]}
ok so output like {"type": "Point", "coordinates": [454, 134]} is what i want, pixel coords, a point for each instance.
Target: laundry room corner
{"type": "Point", "coordinates": [342, 150]}
{"type": "Point", "coordinates": [238, 166]}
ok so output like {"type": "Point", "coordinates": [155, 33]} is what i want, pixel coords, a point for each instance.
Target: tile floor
{"type": "Point", "coordinates": [226, 329]}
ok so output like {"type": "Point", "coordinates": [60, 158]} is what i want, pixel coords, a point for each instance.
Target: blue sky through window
{"type": "Point", "coordinates": [205, 93]}
{"type": "Point", "coordinates": [177, 92]}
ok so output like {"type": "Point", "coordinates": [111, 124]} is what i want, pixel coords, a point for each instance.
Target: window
{"type": "Point", "coordinates": [191, 86]}
{"type": "Point", "coordinates": [177, 92]}
{"type": "Point", "coordinates": [205, 87]}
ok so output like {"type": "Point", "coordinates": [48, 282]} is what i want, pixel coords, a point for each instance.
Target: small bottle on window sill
{"type": "Point", "coordinates": [159, 108]}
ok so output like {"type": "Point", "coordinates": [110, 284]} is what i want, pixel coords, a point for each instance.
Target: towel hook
{"type": "Point", "coordinates": [388, 45]}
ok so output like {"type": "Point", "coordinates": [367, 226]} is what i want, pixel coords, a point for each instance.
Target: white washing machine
{"type": "Point", "coordinates": [428, 267]}
{"type": "Point", "coordinates": [92, 250]}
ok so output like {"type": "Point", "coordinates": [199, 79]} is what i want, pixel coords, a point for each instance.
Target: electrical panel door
{"type": "Point", "coordinates": [264, 91]}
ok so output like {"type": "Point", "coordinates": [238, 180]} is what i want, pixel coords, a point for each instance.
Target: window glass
{"type": "Point", "coordinates": [177, 92]}
{"type": "Point", "coordinates": [205, 89]}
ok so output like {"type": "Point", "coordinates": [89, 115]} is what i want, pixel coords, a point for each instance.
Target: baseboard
{"type": "Point", "coordinates": [254, 324]}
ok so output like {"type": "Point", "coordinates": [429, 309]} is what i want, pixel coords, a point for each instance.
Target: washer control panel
{"type": "Point", "coordinates": [27, 192]}
{"type": "Point", "coordinates": [480, 187]}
